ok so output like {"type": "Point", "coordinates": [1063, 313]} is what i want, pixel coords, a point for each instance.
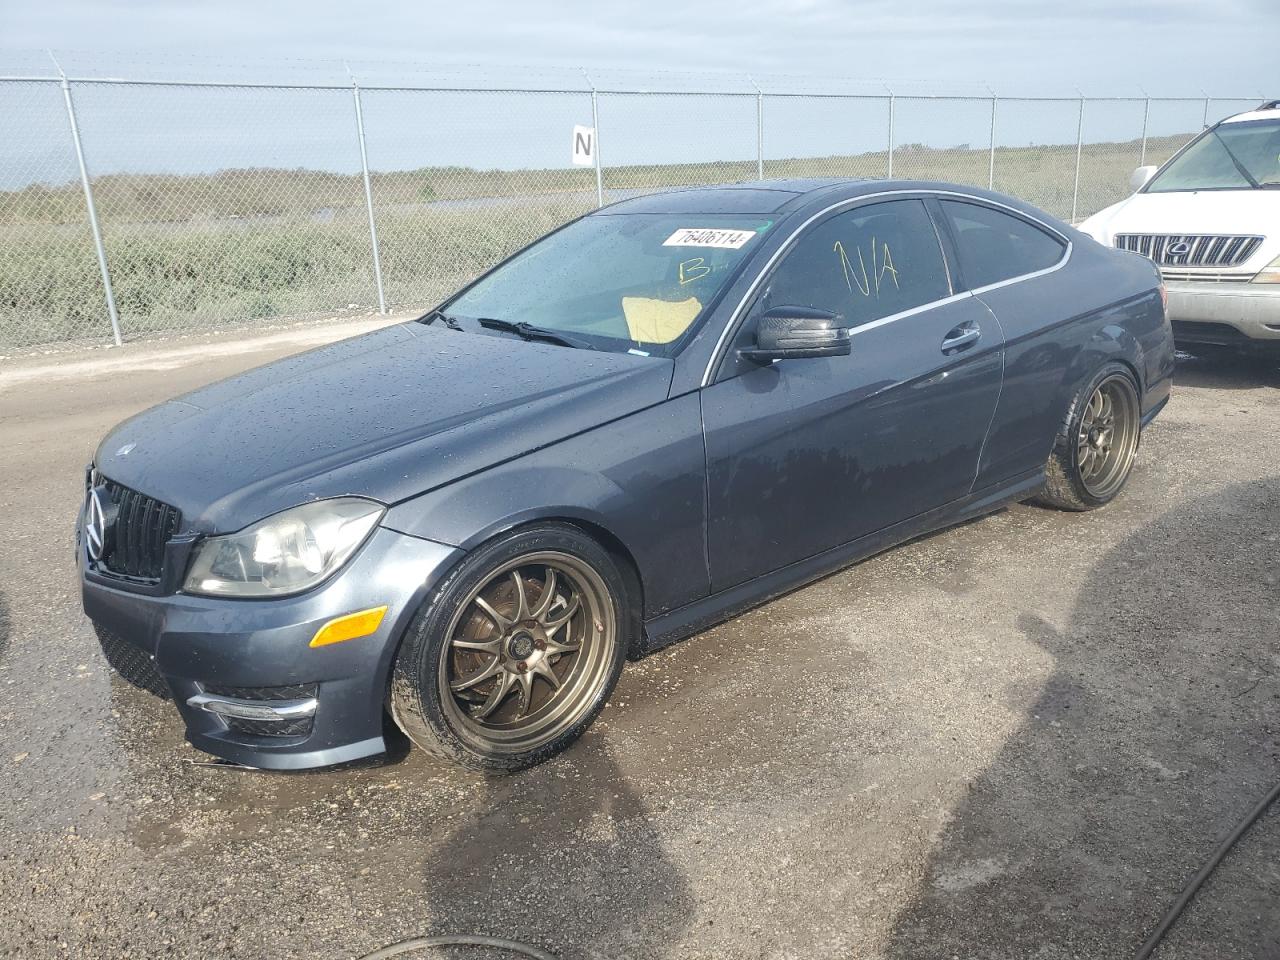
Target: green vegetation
{"type": "Point", "coordinates": [193, 252]}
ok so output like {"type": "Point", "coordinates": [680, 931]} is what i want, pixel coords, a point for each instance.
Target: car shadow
{"type": "Point", "coordinates": [1226, 369]}
{"type": "Point", "coordinates": [563, 854]}
{"type": "Point", "coordinates": [1153, 735]}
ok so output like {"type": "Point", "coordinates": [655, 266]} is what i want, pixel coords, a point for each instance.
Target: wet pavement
{"type": "Point", "coordinates": [1017, 738]}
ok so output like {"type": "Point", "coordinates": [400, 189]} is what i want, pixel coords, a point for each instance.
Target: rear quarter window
{"type": "Point", "coordinates": [994, 246]}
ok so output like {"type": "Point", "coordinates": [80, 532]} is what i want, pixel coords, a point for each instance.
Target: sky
{"type": "Point", "coordinates": [1161, 48]}
{"type": "Point", "coordinates": [1167, 47]}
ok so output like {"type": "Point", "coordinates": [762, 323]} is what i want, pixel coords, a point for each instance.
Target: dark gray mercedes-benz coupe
{"type": "Point", "coordinates": [658, 415]}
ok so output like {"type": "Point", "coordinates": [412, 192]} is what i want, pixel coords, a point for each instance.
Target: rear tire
{"type": "Point", "coordinates": [497, 674]}
{"type": "Point", "coordinates": [1095, 448]}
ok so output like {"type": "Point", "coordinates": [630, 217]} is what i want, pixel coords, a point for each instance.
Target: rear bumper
{"type": "Point", "coordinates": [242, 673]}
{"type": "Point", "coordinates": [1206, 312]}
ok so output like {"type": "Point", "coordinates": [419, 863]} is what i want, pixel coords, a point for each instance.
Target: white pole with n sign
{"type": "Point", "coordinates": [586, 148]}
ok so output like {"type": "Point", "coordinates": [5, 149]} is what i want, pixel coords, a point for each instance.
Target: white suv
{"type": "Point", "coordinates": [1210, 218]}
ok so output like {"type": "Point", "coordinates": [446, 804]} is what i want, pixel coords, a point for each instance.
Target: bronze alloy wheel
{"type": "Point", "coordinates": [1107, 440]}
{"type": "Point", "coordinates": [527, 654]}
{"type": "Point", "coordinates": [1097, 443]}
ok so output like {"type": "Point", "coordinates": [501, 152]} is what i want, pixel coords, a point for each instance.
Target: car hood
{"type": "Point", "coordinates": [1207, 211]}
{"type": "Point", "coordinates": [387, 415]}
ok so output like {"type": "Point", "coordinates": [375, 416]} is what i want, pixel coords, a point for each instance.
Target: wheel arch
{"type": "Point", "coordinates": [589, 522]}
{"type": "Point", "coordinates": [627, 566]}
{"type": "Point", "coordinates": [1110, 343]}
{"type": "Point", "coordinates": [595, 527]}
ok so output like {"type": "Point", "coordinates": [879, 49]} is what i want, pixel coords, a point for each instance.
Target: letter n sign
{"type": "Point", "coordinates": [584, 146]}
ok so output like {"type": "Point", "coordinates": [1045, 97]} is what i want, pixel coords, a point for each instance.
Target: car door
{"type": "Point", "coordinates": [1011, 264]}
{"type": "Point", "coordinates": [806, 454]}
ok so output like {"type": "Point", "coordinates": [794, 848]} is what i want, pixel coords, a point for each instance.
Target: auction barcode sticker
{"type": "Point", "coordinates": [709, 237]}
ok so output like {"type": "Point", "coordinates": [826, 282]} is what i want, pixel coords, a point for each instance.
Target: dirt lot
{"type": "Point", "coordinates": [1014, 739]}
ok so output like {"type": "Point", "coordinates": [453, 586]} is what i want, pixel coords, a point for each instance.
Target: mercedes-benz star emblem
{"type": "Point", "coordinates": [95, 524]}
{"type": "Point", "coordinates": [1179, 249]}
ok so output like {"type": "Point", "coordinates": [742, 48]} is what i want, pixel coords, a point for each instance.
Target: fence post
{"type": "Point", "coordinates": [368, 199]}
{"type": "Point", "coordinates": [991, 159]}
{"type": "Point", "coordinates": [1075, 190]}
{"type": "Point", "coordinates": [759, 133]}
{"type": "Point", "coordinates": [595, 125]}
{"type": "Point", "coordinates": [891, 106]}
{"type": "Point", "coordinates": [1146, 114]}
{"type": "Point", "coordinates": [1205, 120]}
{"type": "Point", "coordinates": [759, 127]}
{"type": "Point", "coordinates": [93, 213]}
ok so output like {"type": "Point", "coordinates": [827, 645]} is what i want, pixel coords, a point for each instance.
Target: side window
{"type": "Point", "coordinates": [994, 246]}
{"type": "Point", "coordinates": [865, 264]}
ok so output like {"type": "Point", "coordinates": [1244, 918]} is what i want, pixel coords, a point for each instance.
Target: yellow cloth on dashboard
{"type": "Point", "coordinates": [658, 321]}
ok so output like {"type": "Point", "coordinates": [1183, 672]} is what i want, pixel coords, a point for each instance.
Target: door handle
{"type": "Point", "coordinates": [961, 337]}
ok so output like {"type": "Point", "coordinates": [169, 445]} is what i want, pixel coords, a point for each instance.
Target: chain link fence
{"type": "Point", "coordinates": [440, 225]}
{"type": "Point", "coordinates": [229, 203]}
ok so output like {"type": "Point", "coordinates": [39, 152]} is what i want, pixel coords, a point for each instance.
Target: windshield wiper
{"type": "Point", "coordinates": [443, 317]}
{"type": "Point", "coordinates": [528, 331]}
{"type": "Point", "coordinates": [1235, 161]}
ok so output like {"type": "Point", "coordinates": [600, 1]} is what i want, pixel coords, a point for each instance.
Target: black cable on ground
{"type": "Point", "coordinates": [495, 943]}
{"type": "Point", "coordinates": [1198, 880]}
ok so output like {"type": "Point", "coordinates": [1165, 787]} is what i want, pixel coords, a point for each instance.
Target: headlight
{"type": "Point", "coordinates": [287, 553]}
{"type": "Point", "coordinates": [1270, 273]}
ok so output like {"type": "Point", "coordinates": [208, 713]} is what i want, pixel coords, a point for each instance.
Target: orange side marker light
{"type": "Point", "coordinates": [352, 626]}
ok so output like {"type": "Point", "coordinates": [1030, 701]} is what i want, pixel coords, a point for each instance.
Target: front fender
{"type": "Point", "coordinates": [641, 479]}
{"type": "Point", "coordinates": [472, 511]}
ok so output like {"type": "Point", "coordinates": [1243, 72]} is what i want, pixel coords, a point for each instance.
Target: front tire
{"type": "Point", "coordinates": [1094, 451]}
{"type": "Point", "coordinates": [516, 652]}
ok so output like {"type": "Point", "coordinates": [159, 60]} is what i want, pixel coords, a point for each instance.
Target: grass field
{"type": "Point", "coordinates": [194, 252]}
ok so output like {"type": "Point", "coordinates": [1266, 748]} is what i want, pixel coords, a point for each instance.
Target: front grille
{"type": "Point", "coordinates": [133, 663]}
{"type": "Point", "coordinates": [141, 528]}
{"type": "Point", "coordinates": [1192, 250]}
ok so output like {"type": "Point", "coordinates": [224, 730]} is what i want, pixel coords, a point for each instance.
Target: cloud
{"type": "Point", "coordinates": [1099, 44]}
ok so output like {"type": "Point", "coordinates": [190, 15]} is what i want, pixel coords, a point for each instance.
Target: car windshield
{"type": "Point", "coordinates": [1230, 156]}
{"type": "Point", "coordinates": [619, 282]}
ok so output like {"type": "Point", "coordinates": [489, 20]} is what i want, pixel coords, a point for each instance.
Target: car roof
{"type": "Point", "coordinates": [787, 197]}
{"type": "Point", "coordinates": [1267, 111]}
{"type": "Point", "coordinates": [755, 196]}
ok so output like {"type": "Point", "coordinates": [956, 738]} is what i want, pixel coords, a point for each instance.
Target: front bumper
{"type": "Point", "coordinates": [1224, 312]}
{"type": "Point", "coordinates": [225, 661]}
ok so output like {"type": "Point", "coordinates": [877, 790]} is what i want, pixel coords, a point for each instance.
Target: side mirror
{"type": "Point", "coordinates": [1141, 177]}
{"type": "Point", "coordinates": [789, 333]}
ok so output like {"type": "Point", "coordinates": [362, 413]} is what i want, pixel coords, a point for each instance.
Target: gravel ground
{"type": "Point", "coordinates": [1013, 739]}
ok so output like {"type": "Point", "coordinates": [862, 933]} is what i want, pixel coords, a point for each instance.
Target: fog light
{"type": "Point", "coordinates": [274, 710]}
{"type": "Point", "coordinates": [352, 626]}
